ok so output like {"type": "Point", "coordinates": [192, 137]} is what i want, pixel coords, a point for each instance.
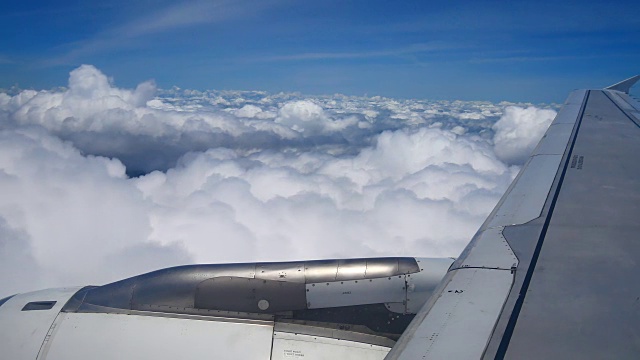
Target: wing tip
{"type": "Point", "coordinates": [624, 85]}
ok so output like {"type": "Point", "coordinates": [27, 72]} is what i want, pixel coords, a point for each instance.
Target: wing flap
{"type": "Point", "coordinates": [460, 323]}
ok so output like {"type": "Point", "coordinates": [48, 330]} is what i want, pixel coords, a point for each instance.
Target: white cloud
{"type": "Point", "coordinates": [160, 20]}
{"type": "Point", "coordinates": [307, 117]}
{"type": "Point", "coordinates": [71, 212]}
{"type": "Point", "coordinates": [518, 131]}
{"type": "Point", "coordinates": [252, 111]}
{"type": "Point", "coordinates": [269, 206]}
{"type": "Point", "coordinates": [241, 176]}
{"type": "Point", "coordinates": [102, 119]}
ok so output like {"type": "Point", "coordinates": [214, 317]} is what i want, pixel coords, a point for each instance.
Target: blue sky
{"type": "Point", "coordinates": [471, 50]}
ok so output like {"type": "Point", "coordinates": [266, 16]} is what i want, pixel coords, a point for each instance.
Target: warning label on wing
{"type": "Point", "coordinates": [293, 354]}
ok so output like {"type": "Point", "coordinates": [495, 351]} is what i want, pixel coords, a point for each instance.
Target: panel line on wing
{"type": "Point", "coordinates": [628, 100]}
{"type": "Point", "coordinates": [621, 109]}
{"type": "Point", "coordinates": [489, 250]}
{"type": "Point", "coordinates": [525, 201]}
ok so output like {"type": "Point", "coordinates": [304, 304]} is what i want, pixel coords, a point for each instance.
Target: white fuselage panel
{"type": "Point", "coordinates": [22, 332]}
{"type": "Point", "coordinates": [293, 346]}
{"type": "Point", "coordinates": [120, 336]}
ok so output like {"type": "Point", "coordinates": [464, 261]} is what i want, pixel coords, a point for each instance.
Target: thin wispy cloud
{"type": "Point", "coordinates": [414, 49]}
{"type": "Point", "coordinates": [543, 17]}
{"type": "Point", "coordinates": [509, 59]}
{"type": "Point", "coordinates": [165, 20]}
{"type": "Point", "coordinates": [330, 46]}
{"type": "Point", "coordinates": [550, 58]}
{"type": "Point", "coordinates": [6, 59]}
{"type": "Point", "coordinates": [186, 14]}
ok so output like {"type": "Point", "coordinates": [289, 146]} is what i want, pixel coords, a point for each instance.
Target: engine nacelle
{"type": "Point", "coordinates": [352, 308]}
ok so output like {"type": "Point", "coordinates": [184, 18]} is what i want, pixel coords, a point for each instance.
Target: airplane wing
{"type": "Point", "coordinates": [553, 272]}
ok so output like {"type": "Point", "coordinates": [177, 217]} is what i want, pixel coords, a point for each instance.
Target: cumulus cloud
{"type": "Point", "coordinates": [151, 133]}
{"type": "Point", "coordinates": [307, 116]}
{"type": "Point", "coordinates": [237, 176]}
{"type": "Point", "coordinates": [518, 131]}
{"type": "Point", "coordinates": [66, 213]}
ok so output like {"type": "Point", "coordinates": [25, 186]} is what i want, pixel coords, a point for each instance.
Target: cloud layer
{"type": "Point", "coordinates": [103, 182]}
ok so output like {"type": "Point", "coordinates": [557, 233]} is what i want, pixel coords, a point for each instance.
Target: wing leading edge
{"type": "Point", "coordinates": [552, 271]}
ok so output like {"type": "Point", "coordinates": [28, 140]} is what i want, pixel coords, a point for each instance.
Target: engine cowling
{"type": "Point", "coordinates": [352, 308]}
